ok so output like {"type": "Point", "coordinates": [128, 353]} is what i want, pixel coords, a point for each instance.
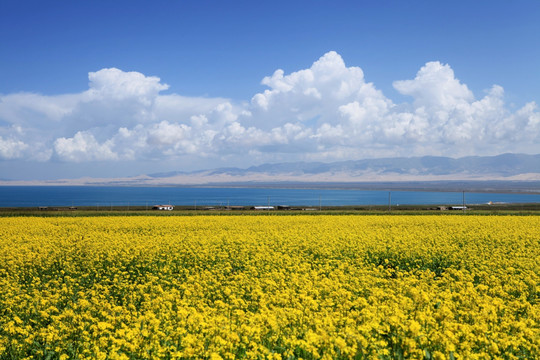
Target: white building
{"type": "Point", "coordinates": [263, 208]}
{"type": "Point", "coordinates": [162, 207]}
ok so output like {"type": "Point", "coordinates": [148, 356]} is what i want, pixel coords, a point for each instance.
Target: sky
{"type": "Point", "coordinates": [124, 88]}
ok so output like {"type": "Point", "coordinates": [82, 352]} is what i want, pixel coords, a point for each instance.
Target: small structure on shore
{"type": "Point", "coordinates": [162, 207]}
{"type": "Point", "coordinates": [235, 207]}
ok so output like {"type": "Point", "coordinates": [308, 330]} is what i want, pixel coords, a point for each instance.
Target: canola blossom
{"type": "Point", "coordinates": [270, 287]}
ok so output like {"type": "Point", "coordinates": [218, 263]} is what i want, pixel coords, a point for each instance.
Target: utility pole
{"type": "Point", "coordinates": [464, 202]}
{"type": "Point", "coordinates": [389, 200]}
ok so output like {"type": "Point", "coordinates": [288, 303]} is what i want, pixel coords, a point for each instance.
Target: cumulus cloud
{"type": "Point", "coordinates": [314, 93]}
{"type": "Point", "coordinates": [119, 85]}
{"type": "Point", "coordinates": [325, 112]}
{"type": "Point", "coordinates": [83, 147]}
{"type": "Point", "coordinates": [11, 148]}
{"type": "Point", "coordinates": [435, 86]}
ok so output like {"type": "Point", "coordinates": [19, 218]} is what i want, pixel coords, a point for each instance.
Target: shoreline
{"type": "Point", "coordinates": [531, 187]}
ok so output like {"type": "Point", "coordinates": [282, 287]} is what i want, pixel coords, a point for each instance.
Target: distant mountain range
{"type": "Point", "coordinates": [505, 167]}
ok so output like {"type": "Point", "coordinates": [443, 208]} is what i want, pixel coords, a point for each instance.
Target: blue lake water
{"type": "Point", "coordinates": [30, 196]}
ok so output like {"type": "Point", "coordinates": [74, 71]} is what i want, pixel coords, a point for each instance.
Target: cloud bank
{"type": "Point", "coordinates": [327, 112]}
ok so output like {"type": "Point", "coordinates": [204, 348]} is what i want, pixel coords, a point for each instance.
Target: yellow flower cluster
{"type": "Point", "coordinates": [270, 287]}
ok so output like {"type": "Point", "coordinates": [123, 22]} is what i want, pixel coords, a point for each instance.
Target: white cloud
{"type": "Point", "coordinates": [435, 86]}
{"type": "Point", "coordinates": [11, 148]}
{"type": "Point", "coordinates": [117, 84]}
{"type": "Point", "coordinates": [34, 109]}
{"type": "Point", "coordinates": [316, 92]}
{"type": "Point", "coordinates": [84, 147]}
{"type": "Point", "coordinates": [165, 133]}
{"type": "Point", "coordinates": [325, 112]}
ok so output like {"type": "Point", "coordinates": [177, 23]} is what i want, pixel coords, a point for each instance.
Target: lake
{"type": "Point", "coordinates": [33, 196]}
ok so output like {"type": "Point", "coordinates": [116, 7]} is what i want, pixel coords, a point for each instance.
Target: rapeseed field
{"type": "Point", "coordinates": [270, 287]}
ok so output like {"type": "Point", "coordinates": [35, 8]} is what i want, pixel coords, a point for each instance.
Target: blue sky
{"type": "Point", "coordinates": [454, 78]}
